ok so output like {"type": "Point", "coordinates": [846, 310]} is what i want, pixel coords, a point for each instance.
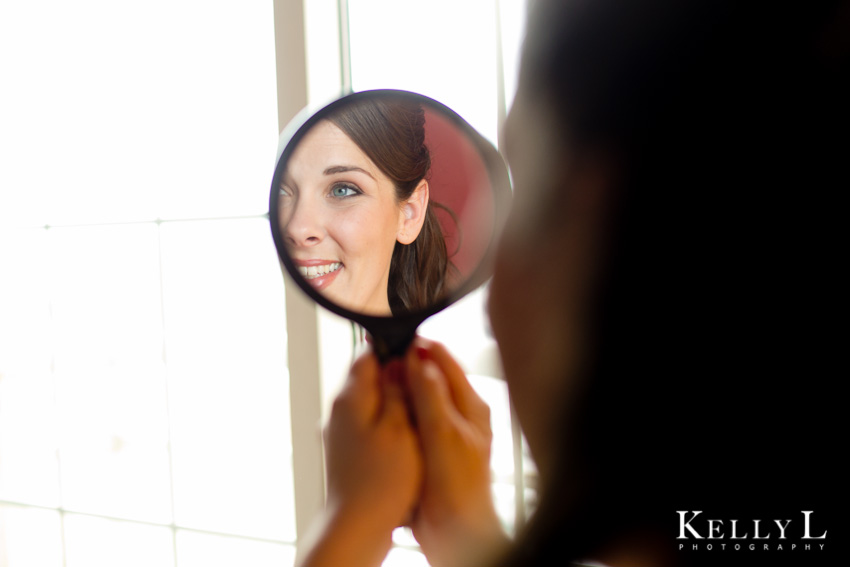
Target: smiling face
{"type": "Point", "coordinates": [341, 219]}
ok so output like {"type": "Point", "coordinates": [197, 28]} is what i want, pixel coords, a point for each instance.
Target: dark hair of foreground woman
{"type": "Point", "coordinates": [716, 325]}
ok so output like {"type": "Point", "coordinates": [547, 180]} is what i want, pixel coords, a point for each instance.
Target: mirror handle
{"type": "Point", "coordinates": [389, 346]}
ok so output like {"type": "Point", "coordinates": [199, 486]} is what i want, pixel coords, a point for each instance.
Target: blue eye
{"type": "Point", "coordinates": [342, 191]}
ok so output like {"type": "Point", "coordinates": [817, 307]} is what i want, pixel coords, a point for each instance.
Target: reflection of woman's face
{"type": "Point", "coordinates": [340, 219]}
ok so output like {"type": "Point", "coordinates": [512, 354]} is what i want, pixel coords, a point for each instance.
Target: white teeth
{"type": "Point", "coordinates": [310, 272]}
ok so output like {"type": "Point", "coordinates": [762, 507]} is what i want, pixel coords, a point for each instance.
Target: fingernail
{"type": "Point", "coordinates": [422, 353]}
{"type": "Point", "coordinates": [395, 371]}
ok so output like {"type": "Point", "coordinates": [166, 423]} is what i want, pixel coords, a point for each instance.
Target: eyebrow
{"type": "Point", "coordinates": [345, 168]}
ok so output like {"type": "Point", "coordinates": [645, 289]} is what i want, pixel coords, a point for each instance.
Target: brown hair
{"type": "Point", "coordinates": [391, 131]}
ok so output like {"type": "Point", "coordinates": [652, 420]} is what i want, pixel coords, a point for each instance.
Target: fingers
{"type": "Point", "coordinates": [394, 400]}
{"type": "Point", "coordinates": [373, 393]}
{"type": "Point", "coordinates": [430, 396]}
{"type": "Point", "coordinates": [360, 396]}
{"type": "Point", "coordinates": [428, 381]}
{"type": "Point", "coordinates": [467, 401]}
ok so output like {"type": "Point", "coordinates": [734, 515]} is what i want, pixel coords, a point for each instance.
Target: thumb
{"type": "Point", "coordinates": [394, 402]}
{"type": "Point", "coordinates": [431, 399]}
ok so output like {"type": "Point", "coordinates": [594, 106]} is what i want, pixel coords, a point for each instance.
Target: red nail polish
{"type": "Point", "coordinates": [422, 353]}
{"type": "Point", "coordinates": [394, 371]}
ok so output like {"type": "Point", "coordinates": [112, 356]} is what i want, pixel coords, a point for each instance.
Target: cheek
{"type": "Point", "coordinates": [346, 229]}
{"type": "Point", "coordinates": [514, 309]}
{"type": "Point", "coordinates": [365, 235]}
{"type": "Point", "coordinates": [282, 216]}
{"type": "Point", "coordinates": [536, 340]}
{"type": "Point", "coordinates": [519, 314]}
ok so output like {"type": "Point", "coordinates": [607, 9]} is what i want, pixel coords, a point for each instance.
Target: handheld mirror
{"type": "Point", "coordinates": [385, 207]}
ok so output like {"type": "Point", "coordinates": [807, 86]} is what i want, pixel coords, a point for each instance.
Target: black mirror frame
{"type": "Point", "coordinates": [391, 335]}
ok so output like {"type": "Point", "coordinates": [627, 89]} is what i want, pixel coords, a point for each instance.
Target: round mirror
{"type": "Point", "coordinates": [385, 207]}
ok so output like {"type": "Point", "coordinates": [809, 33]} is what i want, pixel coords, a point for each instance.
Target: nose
{"type": "Point", "coordinates": [303, 224]}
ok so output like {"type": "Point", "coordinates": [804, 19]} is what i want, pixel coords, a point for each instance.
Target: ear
{"type": "Point", "coordinates": [413, 214]}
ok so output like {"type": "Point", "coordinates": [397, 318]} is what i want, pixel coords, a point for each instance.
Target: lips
{"type": "Point", "coordinates": [319, 273]}
{"type": "Point", "coordinates": [310, 272]}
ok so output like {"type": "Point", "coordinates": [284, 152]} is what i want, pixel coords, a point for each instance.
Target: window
{"type": "Point", "coordinates": [144, 387]}
{"type": "Point", "coordinates": [464, 55]}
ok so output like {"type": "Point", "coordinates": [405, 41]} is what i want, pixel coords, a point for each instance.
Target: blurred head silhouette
{"type": "Point", "coordinates": [675, 235]}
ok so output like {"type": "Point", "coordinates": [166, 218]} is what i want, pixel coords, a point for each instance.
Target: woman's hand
{"type": "Point", "coordinates": [374, 469]}
{"type": "Point", "coordinates": [455, 522]}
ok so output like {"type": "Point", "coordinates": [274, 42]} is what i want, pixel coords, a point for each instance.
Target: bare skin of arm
{"type": "Point", "coordinates": [374, 470]}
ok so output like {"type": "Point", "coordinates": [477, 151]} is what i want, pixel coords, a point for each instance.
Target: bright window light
{"type": "Point", "coordinates": [117, 111]}
{"type": "Point", "coordinates": [144, 397]}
